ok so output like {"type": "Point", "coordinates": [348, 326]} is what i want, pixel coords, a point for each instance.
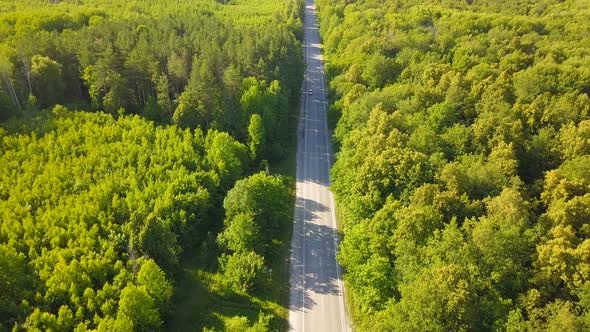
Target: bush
{"type": "Point", "coordinates": [241, 269]}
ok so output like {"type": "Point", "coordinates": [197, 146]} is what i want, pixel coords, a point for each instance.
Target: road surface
{"type": "Point", "coordinates": [316, 297]}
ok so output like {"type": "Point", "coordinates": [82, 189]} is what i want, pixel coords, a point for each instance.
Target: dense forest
{"type": "Point", "coordinates": [462, 175]}
{"type": "Point", "coordinates": [134, 137]}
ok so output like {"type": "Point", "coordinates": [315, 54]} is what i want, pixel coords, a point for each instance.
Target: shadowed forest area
{"type": "Point", "coordinates": [145, 151]}
{"type": "Point", "coordinates": [462, 176]}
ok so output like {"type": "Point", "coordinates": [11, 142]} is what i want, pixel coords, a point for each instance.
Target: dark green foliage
{"type": "Point", "coordinates": [46, 77]}
{"type": "Point", "coordinates": [462, 171]}
{"type": "Point", "coordinates": [184, 64]}
{"type": "Point", "coordinates": [7, 108]}
{"type": "Point", "coordinates": [101, 210]}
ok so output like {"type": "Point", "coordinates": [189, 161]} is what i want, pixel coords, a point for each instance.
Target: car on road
{"type": "Point", "coordinates": [309, 92]}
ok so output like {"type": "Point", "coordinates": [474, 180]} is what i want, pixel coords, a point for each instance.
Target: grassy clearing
{"type": "Point", "coordinates": [204, 302]}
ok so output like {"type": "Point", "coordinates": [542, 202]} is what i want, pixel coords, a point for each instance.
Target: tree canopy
{"type": "Point", "coordinates": [166, 109]}
{"type": "Point", "coordinates": [461, 173]}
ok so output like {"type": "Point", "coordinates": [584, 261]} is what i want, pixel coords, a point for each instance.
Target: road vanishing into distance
{"type": "Point", "coordinates": [316, 297]}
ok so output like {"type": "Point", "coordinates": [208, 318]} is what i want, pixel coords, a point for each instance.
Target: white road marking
{"type": "Point", "coordinates": [313, 185]}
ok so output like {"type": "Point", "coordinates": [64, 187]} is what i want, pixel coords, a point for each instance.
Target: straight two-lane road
{"type": "Point", "coordinates": [316, 296]}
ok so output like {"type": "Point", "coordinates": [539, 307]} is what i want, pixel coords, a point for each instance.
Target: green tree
{"type": "Point", "coordinates": [380, 71]}
{"type": "Point", "coordinates": [121, 323]}
{"type": "Point", "coordinates": [241, 269]}
{"type": "Point", "coordinates": [185, 115]}
{"type": "Point", "coordinates": [163, 96]}
{"type": "Point", "coordinates": [506, 241]}
{"type": "Point", "coordinates": [266, 197]}
{"type": "Point", "coordinates": [140, 308]}
{"type": "Point", "coordinates": [226, 156]}
{"type": "Point", "coordinates": [232, 118]}
{"type": "Point", "coordinates": [15, 284]}
{"type": "Point", "coordinates": [6, 107]}
{"type": "Point", "coordinates": [41, 320]}
{"type": "Point", "coordinates": [46, 79]}
{"type": "Point", "coordinates": [256, 136]}
{"type": "Point", "coordinates": [156, 240]}
{"type": "Point", "coordinates": [241, 233]}
{"type": "Point", "coordinates": [154, 281]}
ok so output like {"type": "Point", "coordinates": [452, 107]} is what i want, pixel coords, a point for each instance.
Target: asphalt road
{"type": "Point", "coordinates": [316, 297]}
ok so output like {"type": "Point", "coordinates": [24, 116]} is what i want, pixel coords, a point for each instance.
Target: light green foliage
{"type": "Point", "coordinates": [140, 308]}
{"type": "Point", "coordinates": [121, 323]}
{"type": "Point", "coordinates": [241, 269]}
{"type": "Point", "coordinates": [153, 280]}
{"type": "Point", "coordinates": [555, 316]}
{"type": "Point", "coordinates": [242, 324]}
{"type": "Point", "coordinates": [241, 233]}
{"type": "Point", "coordinates": [101, 212]}
{"type": "Point", "coordinates": [562, 254]}
{"type": "Point", "coordinates": [504, 239]}
{"type": "Point", "coordinates": [40, 321]}
{"type": "Point", "coordinates": [462, 134]}
{"type": "Point", "coordinates": [574, 140]}
{"type": "Point", "coordinates": [379, 71]}
{"type": "Point", "coordinates": [256, 136]}
{"type": "Point", "coordinates": [105, 193]}
{"type": "Point", "coordinates": [266, 199]}
{"type": "Point", "coordinates": [226, 155]}
{"type": "Point", "coordinates": [256, 214]}
{"type": "Point", "coordinates": [238, 323]}
{"type": "Point", "coordinates": [65, 318]}
{"type": "Point", "coordinates": [268, 103]}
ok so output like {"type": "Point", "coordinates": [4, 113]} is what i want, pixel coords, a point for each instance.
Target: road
{"type": "Point", "coordinates": [316, 296]}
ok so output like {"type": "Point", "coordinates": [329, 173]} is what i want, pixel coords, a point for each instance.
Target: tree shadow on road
{"type": "Point", "coordinates": [319, 240]}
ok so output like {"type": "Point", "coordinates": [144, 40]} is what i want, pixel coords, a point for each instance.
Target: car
{"type": "Point", "coordinates": [310, 92]}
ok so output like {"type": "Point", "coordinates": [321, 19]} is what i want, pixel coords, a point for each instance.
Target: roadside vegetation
{"type": "Point", "coordinates": [143, 153]}
{"type": "Point", "coordinates": [462, 172]}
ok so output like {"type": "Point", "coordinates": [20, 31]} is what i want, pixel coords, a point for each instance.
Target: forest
{"type": "Point", "coordinates": [142, 153]}
{"type": "Point", "coordinates": [462, 175]}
